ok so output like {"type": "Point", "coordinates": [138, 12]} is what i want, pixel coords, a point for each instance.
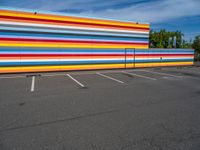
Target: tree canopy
{"type": "Point", "coordinates": [166, 39]}
{"type": "Point", "coordinates": [196, 44]}
{"type": "Point", "coordinates": [172, 39]}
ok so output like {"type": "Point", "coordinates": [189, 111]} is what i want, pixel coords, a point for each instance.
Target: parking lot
{"type": "Point", "coordinates": [148, 108]}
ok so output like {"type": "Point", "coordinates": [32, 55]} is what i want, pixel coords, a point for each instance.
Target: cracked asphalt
{"type": "Point", "coordinates": [135, 109]}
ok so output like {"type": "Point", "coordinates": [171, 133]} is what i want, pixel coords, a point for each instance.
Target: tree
{"type": "Point", "coordinates": [160, 39]}
{"type": "Point", "coordinates": [196, 44]}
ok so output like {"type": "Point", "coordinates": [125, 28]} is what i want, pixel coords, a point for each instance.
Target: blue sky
{"type": "Point", "coordinates": [181, 15]}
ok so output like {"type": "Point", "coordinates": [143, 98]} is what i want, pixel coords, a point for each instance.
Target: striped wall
{"type": "Point", "coordinates": [34, 42]}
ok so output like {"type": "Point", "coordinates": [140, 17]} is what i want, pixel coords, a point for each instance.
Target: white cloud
{"type": "Point", "coordinates": [153, 12]}
{"type": "Point", "coordinates": [134, 10]}
{"type": "Point", "coordinates": [58, 5]}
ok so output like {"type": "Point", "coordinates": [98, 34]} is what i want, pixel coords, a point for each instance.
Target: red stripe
{"type": "Point", "coordinates": [160, 55]}
{"type": "Point", "coordinates": [74, 55]}
{"type": "Point", "coordinates": [58, 55]}
{"type": "Point", "coordinates": [67, 41]}
{"type": "Point", "coordinates": [70, 22]}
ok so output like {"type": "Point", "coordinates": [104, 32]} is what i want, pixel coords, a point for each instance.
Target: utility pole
{"type": "Point", "coordinates": [174, 42]}
{"type": "Point", "coordinates": [169, 42]}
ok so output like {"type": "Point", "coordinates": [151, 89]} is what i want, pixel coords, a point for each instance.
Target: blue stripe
{"type": "Point", "coordinates": [168, 50]}
{"type": "Point", "coordinates": [89, 62]}
{"type": "Point", "coordinates": [52, 50]}
{"type": "Point", "coordinates": [92, 37]}
{"type": "Point", "coordinates": [104, 33]}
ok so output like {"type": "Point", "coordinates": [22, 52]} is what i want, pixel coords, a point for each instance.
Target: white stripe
{"type": "Point", "coordinates": [33, 84]}
{"type": "Point", "coordinates": [160, 73]}
{"type": "Point", "coordinates": [109, 77]}
{"type": "Point", "coordinates": [75, 39]}
{"type": "Point", "coordinates": [141, 76]}
{"type": "Point", "coordinates": [163, 58]}
{"type": "Point", "coordinates": [80, 59]}
{"type": "Point", "coordinates": [69, 27]}
{"type": "Point", "coordinates": [75, 80]}
{"type": "Point", "coordinates": [79, 32]}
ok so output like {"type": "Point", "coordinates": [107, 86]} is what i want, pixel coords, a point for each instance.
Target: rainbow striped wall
{"type": "Point", "coordinates": [35, 42]}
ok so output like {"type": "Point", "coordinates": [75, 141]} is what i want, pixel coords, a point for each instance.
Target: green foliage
{"type": "Point", "coordinates": [160, 39]}
{"type": "Point", "coordinates": [186, 44]}
{"type": "Point", "coordinates": [196, 44]}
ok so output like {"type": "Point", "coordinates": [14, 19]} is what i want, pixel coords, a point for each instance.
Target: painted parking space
{"type": "Point", "coordinates": [186, 72]}
{"type": "Point", "coordinates": [76, 81]}
{"type": "Point", "coordinates": [143, 76]}
{"type": "Point", "coordinates": [161, 73]}
{"type": "Point", "coordinates": [86, 79]}
{"type": "Point", "coordinates": [109, 77]}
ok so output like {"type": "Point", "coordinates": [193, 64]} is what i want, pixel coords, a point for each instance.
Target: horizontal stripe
{"type": "Point", "coordinates": [90, 58]}
{"type": "Point", "coordinates": [70, 23]}
{"type": "Point", "coordinates": [78, 55]}
{"type": "Point", "coordinates": [67, 41]}
{"type": "Point", "coordinates": [59, 27]}
{"type": "Point", "coordinates": [85, 67]}
{"type": "Point", "coordinates": [64, 32]}
{"type": "Point", "coordinates": [138, 65]}
{"type": "Point", "coordinates": [12, 52]}
{"type": "Point", "coordinates": [66, 44]}
{"type": "Point", "coordinates": [75, 45]}
{"type": "Point", "coordinates": [88, 52]}
{"type": "Point", "coordinates": [58, 68]}
{"type": "Point", "coordinates": [63, 17]}
{"type": "Point", "coordinates": [86, 62]}
{"type": "Point", "coordinates": [10, 59]}
{"type": "Point", "coordinates": [138, 51]}
{"type": "Point", "coordinates": [67, 37]}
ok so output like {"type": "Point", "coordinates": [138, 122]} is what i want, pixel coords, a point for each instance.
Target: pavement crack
{"type": "Point", "coordinates": [60, 120]}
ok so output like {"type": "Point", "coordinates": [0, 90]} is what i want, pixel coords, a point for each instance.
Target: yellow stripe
{"type": "Point", "coordinates": [9, 44]}
{"type": "Point", "coordinates": [69, 18]}
{"type": "Point", "coordinates": [86, 67]}
{"type": "Point", "coordinates": [137, 65]}
{"type": "Point", "coordinates": [58, 68]}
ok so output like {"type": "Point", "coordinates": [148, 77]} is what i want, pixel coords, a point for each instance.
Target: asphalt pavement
{"type": "Point", "coordinates": [134, 109]}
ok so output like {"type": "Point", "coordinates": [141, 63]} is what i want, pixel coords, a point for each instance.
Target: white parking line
{"type": "Point", "coordinates": [33, 84]}
{"type": "Point", "coordinates": [161, 73]}
{"type": "Point", "coordinates": [141, 76]}
{"type": "Point", "coordinates": [109, 77]}
{"type": "Point", "coordinates": [75, 80]}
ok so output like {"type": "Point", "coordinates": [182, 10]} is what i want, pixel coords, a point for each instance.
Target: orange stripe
{"type": "Point", "coordinates": [75, 19]}
{"type": "Point", "coordinates": [72, 25]}
{"type": "Point", "coordinates": [71, 43]}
